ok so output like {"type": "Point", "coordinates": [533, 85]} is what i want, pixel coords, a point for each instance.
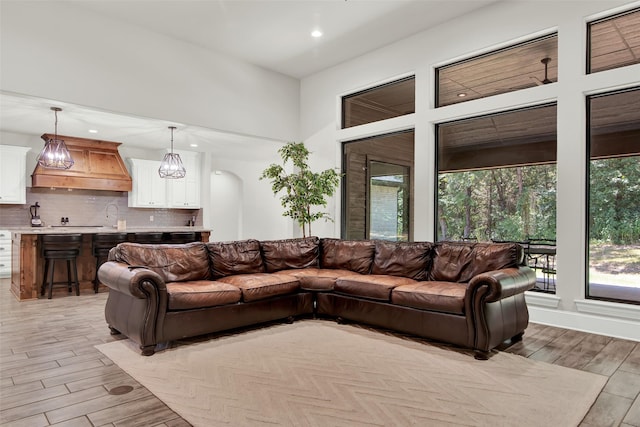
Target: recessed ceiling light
{"type": "Point", "coordinates": [316, 33]}
{"type": "Point", "coordinates": [193, 145]}
{"type": "Point", "coordinates": [93, 131]}
{"type": "Point", "coordinates": [462, 95]}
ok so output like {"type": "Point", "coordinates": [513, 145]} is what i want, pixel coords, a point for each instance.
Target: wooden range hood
{"type": "Point", "coordinates": [97, 166]}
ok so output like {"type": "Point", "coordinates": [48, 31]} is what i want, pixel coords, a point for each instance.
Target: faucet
{"type": "Point", "coordinates": [117, 210]}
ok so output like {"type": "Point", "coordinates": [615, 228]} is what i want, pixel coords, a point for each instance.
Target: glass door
{"type": "Point", "coordinates": [388, 201]}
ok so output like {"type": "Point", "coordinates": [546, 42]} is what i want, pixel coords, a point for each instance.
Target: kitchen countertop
{"type": "Point", "coordinates": [101, 229]}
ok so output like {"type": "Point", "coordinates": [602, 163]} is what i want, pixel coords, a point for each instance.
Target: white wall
{"type": "Point", "coordinates": [261, 212]}
{"type": "Point", "coordinates": [60, 51]}
{"type": "Point", "coordinates": [498, 25]}
{"type": "Point", "coordinates": [227, 207]}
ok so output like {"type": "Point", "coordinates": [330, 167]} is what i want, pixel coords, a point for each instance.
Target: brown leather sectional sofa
{"type": "Point", "coordinates": [466, 294]}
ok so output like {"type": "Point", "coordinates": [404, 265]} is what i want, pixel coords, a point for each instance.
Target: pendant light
{"type": "Point", "coordinates": [55, 154]}
{"type": "Point", "coordinates": [171, 165]}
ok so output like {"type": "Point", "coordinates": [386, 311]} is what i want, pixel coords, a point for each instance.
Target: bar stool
{"type": "Point", "coordinates": [151, 237]}
{"type": "Point", "coordinates": [101, 244]}
{"type": "Point", "coordinates": [182, 237]}
{"type": "Point", "coordinates": [60, 247]}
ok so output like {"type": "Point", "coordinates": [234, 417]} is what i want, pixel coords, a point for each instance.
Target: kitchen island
{"type": "Point", "coordinates": [27, 263]}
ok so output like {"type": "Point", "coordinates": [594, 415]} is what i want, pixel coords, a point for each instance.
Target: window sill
{"type": "Point", "coordinates": [609, 309]}
{"type": "Point", "coordinates": [541, 299]}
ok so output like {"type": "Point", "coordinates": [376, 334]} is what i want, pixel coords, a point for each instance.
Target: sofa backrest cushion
{"type": "Point", "coordinates": [354, 255]}
{"type": "Point", "coordinates": [173, 262]}
{"type": "Point", "coordinates": [239, 257]}
{"type": "Point", "coordinates": [404, 259]}
{"type": "Point", "coordinates": [290, 253]}
{"type": "Point", "coordinates": [460, 262]}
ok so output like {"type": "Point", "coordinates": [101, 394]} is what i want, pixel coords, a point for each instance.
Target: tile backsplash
{"type": "Point", "coordinates": [88, 207]}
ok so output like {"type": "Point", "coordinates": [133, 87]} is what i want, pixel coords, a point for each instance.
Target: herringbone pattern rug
{"type": "Point", "coordinates": [318, 373]}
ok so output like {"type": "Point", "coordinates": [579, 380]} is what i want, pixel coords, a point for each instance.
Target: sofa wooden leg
{"type": "Point", "coordinates": [114, 331]}
{"type": "Point", "coordinates": [341, 321]}
{"type": "Point", "coordinates": [148, 350]}
{"type": "Point", "coordinates": [481, 355]}
{"type": "Point", "coordinates": [517, 338]}
{"type": "Point", "coordinates": [290, 319]}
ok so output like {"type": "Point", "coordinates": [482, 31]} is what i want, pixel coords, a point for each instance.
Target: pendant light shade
{"type": "Point", "coordinates": [171, 165]}
{"type": "Point", "coordinates": [55, 154]}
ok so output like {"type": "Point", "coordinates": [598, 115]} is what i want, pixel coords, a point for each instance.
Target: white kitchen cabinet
{"type": "Point", "coordinates": [5, 253]}
{"type": "Point", "coordinates": [148, 189]}
{"type": "Point", "coordinates": [13, 185]}
{"type": "Point", "coordinates": [184, 193]}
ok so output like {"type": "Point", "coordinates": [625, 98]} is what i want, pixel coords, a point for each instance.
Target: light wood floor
{"type": "Point", "coordinates": [51, 374]}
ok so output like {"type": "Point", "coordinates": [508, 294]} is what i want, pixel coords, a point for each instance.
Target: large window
{"type": "Point", "coordinates": [524, 65]}
{"type": "Point", "coordinates": [497, 182]}
{"type": "Point", "coordinates": [614, 41]}
{"type": "Point", "coordinates": [379, 103]}
{"type": "Point", "coordinates": [614, 196]}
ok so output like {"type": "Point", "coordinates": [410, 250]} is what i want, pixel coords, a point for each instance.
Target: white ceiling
{"type": "Point", "coordinates": [274, 34]}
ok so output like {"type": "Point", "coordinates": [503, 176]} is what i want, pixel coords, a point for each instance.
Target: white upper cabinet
{"type": "Point", "coordinates": [13, 181]}
{"type": "Point", "coordinates": [148, 189]}
{"type": "Point", "coordinates": [151, 191]}
{"type": "Point", "coordinates": [185, 192]}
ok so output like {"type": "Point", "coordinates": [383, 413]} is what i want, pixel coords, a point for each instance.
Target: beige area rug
{"type": "Point", "coordinates": [319, 373]}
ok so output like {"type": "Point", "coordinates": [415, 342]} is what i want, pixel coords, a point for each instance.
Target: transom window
{"type": "Point", "coordinates": [614, 41]}
{"type": "Point", "coordinates": [379, 103]}
{"type": "Point", "coordinates": [524, 65]}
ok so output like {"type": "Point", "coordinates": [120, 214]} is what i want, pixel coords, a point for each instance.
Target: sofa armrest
{"type": "Point", "coordinates": [500, 284]}
{"type": "Point", "coordinates": [497, 307]}
{"type": "Point", "coordinates": [137, 303]}
{"type": "Point", "coordinates": [130, 280]}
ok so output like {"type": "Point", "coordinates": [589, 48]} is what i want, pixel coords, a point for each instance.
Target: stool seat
{"type": "Point", "coordinates": [182, 237]}
{"type": "Point", "coordinates": [65, 247]}
{"type": "Point", "coordinates": [151, 237]}
{"type": "Point", "coordinates": [101, 244]}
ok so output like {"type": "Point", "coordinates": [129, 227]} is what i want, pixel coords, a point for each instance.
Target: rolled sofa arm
{"type": "Point", "coordinates": [130, 279]}
{"type": "Point", "coordinates": [496, 303]}
{"type": "Point", "coordinates": [501, 284]}
{"type": "Point", "coordinates": [137, 302]}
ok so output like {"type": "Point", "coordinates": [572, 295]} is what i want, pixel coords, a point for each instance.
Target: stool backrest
{"type": "Point", "coordinates": [61, 242]}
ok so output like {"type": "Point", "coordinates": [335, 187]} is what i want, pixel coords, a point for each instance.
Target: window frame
{"type": "Point", "coordinates": [587, 212]}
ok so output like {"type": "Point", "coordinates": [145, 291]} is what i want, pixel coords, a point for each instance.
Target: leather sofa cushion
{"type": "Point", "coordinates": [290, 253]}
{"type": "Point", "coordinates": [174, 263]}
{"type": "Point", "coordinates": [354, 255]}
{"type": "Point", "coordinates": [460, 262]}
{"type": "Point", "coordinates": [201, 293]}
{"type": "Point", "coordinates": [318, 279]}
{"type": "Point", "coordinates": [405, 259]}
{"type": "Point", "coordinates": [240, 257]}
{"type": "Point", "coordinates": [371, 286]}
{"type": "Point", "coordinates": [439, 296]}
{"type": "Point", "coordinates": [259, 286]}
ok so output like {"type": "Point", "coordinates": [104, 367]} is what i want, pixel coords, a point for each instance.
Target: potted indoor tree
{"type": "Point", "coordinates": [302, 189]}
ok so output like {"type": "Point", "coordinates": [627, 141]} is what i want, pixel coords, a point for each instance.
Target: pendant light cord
{"type": "Point", "coordinates": [172, 128]}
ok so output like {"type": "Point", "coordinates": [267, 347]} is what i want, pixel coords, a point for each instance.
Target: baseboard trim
{"type": "Point", "coordinates": [586, 322]}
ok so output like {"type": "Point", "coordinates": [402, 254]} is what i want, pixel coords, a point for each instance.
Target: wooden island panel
{"type": "Point", "coordinates": [27, 266]}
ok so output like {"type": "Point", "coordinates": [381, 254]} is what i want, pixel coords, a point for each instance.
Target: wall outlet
{"type": "Point", "coordinates": [151, 218]}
